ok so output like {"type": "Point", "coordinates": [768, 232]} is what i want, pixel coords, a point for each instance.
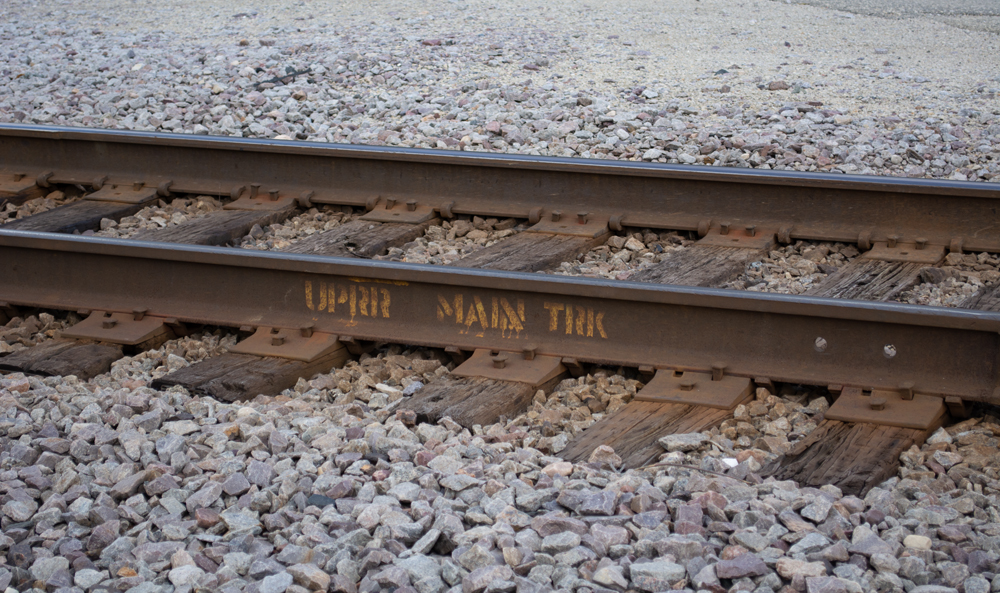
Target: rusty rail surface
{"type": "Point", "coordinates": [792, 204]}
{"type": "Point", "coordinates": [940, 351]}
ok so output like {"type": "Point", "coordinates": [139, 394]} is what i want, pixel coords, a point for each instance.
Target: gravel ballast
{"type": "Point", "coordinates": [109, 485]}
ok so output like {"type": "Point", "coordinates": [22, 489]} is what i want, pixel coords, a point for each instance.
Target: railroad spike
{"type": "Point", "coordinates": [163, 189]}
{"type": "Point", "coordinates": [305, 199]}
{"type": "Point", "coordinates": [534, 215]}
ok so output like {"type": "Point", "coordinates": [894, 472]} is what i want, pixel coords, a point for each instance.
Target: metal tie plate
{"type": "Point", "coordinates": [581, 224]}
{"type": "Point", "coordinates": [888, 408]}
{"type": "Point", "coordinates": [126, 194]}
{"type": "Point", "coordinates": [746, 236]}
{"type": "Point", "coordinates": [536, 370]}
{"type": "Point", "coordinates": [118, 328]}
{"type": "Point", "coordinates": [296, 344]}
{"type": "Point", "coordinates": [392, 210]}
{"type": "Point", "coordinates": [15, 184]}
{"type": "Point", "coordinates": [713, 390]}
{"type": "Point", "coordinates": [261, 200]}
{"type": "Point", "coordinates": [917, 252]}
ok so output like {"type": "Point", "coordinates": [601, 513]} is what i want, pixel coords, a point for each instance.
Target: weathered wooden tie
{"type": "Point", "coordinates": [674, 402]}
{"type": "Point", "coordinates": [64, 357]}
{"type": "Point", "coordinates": [986, 299]}
{"type": "Point", "coordinates": [238, 377]}
{"type": "Point", "coordinates": [634, 430]}
{"type": "Point", "coordinates": [721, 256]}
{"type": "Point", "coordinates": [266, 363]}
{"type": "Point", "coordinates": [880, 274]}
{"type": "Point", "coordinates": [79, 216]}
{"type": "Point", "coordinates": [215, 228]}
{"type": "Point", "coordinates": [857, 445]}
{"type": "Point", "coordinates": [360, 238]}
{"type": "Point", "coordinates": [108, 201]}
{"type": "Point", "coordinates": [486, 387]}
{"type": "Point", "coordinates": [91, 346]}
{"type": "Point", "coordinates": [530, 252]}
{"type": "Point", "coordinates": [855, 457]}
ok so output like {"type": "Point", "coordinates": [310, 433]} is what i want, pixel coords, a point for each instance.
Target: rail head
{"type": "Point", "coordinates": [10, 132]}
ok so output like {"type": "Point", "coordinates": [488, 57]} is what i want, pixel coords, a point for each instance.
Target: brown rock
{"type": "Point", "coordinates": [744, 565]}
{"type": "Point", "coordinates": [206, 517]}
{"type": "Point", "coordinates": [102, 536]}
{"type": "Point", "coordinates": [778, 85]}
{"type": "Point", "coordinates": [130, 485]}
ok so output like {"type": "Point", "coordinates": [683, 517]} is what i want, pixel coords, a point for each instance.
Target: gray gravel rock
{"type": "Point", "coordinates": [492, 508]}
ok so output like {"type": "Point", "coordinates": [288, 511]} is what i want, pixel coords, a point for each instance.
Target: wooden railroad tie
{"type": "Point", "coordinates": [857, 446]}
{"type": "Point", "coordinates": [545, 245]}
{"type": "Point", "coordinates": [717, 258]}
{"type": "Point", "coordinates": [882, 273]}
{"type": "Point", "coordinates": [487, 386]}
{"type": "Point", "coordinates": [673, 402]}
{"type": "Point", "coordinates": [90, 347]}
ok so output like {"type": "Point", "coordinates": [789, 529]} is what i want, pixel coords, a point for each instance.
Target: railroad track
{"type": "Point", "coordinates": [897, 371]}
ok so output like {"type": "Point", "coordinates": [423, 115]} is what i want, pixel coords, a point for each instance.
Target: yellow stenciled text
{"type": "Point", "coordinates": [481, 314]}
{"type": "Point", "coordinates": [575, 320]}
{"type": "Point", "coordinates": [349, 299]}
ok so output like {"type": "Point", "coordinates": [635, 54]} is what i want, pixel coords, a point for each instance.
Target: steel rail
{"type": "Point", "coordinates": [943, 352]}
{"type": "Point", "coordinates": [796, 205]}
